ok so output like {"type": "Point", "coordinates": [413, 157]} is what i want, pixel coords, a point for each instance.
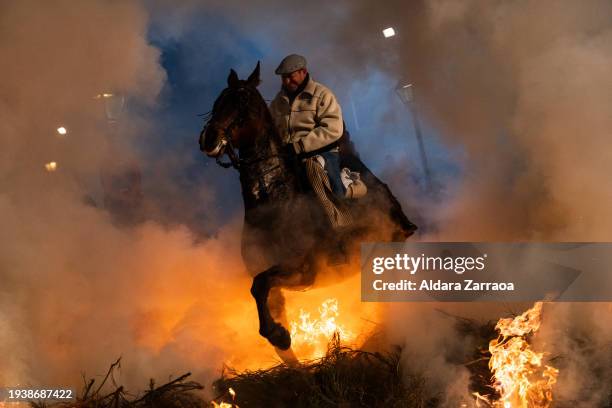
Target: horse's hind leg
{"type": "Point", "coordinates": [263, 283]}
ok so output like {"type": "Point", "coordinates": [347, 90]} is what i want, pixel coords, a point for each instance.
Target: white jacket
{"type": "Point", "coordinates": [313, 121]}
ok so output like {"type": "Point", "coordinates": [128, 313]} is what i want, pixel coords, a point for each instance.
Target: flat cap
{"type": "Point", "coordinates": [291, 63]}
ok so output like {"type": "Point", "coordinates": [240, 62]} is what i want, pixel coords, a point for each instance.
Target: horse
{"type": "Point", "coordinates": [286, 239]}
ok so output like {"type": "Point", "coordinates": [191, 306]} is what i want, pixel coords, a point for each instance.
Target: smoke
{"type": "Point", "coordinates": [579, 340]}
{"type": "Point", "coordinates": [521, 100]}
{"type": "Point", "coordinates": [520, 87]}
{"type": "Point", "coordinates": [149, 295]}
{"type": "Point", "coordinates": [78, 290]}
{"type": "Point", "coordinates": [432, 350]}
{"type": "Point", "coordinates": [518, 92]}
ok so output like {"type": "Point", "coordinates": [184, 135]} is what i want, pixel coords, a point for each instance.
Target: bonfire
{"type": "Point", "coordinates": [520, 377]}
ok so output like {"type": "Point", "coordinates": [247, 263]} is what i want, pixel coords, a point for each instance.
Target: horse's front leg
{"type": "Point", "coordinates": [275, 276]}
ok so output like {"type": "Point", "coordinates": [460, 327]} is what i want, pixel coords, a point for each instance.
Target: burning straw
{"type": "Point", "coordinates": [520, 375]}
{"type": "Point", "coordinates": [509, 374]}
{"type": "Point", "coordinates": [344, 377]}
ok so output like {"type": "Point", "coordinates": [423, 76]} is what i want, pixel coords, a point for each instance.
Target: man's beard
{"type": "Point", "coordinates": [290, 90]}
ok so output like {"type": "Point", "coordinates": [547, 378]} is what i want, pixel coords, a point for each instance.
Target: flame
{"type": "Point", "coordinates": [51, 166]}
{"type": "Point", "coordinates": [479, 398]}
{"type": "Point", "coordinates": [227, 404]}
{"type": "Point", "coordinates": [62, 130]}
{"type": "Point", "coordinates": [520, 378]}
{"type": "Point", "coordinates": [311, 336]}
{"type": "Point", "coordinates": [223, 405]}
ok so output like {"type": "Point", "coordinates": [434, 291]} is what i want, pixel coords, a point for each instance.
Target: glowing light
{"type": "Point", "coordinates": [226, 404]}
{"type": "Point", "coordinates": [62, 130]}
{"type": "Point", "coordinates": [388, 32]}
{"type": "Point", "coordinates": [222, 405]}
{"type": "Point", "coordinates": [313, 335]}
{"type": "Point", "coordinates": [520, 378]}
{"type": "Point", "coordinates": [481, 398]}
{"type": "Point", "coordinates": [103, 96]}
{"type": "Point", "coordinates": [51, 166]}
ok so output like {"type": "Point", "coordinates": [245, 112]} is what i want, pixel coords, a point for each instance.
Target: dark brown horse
{"type": "Point", "coordinates": [286, 237]}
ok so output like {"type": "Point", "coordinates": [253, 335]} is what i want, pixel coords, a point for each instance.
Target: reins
{"type": "Point", "coordinates": [225, 145]}
{"type": "Point", "coordinates": [228, 148]}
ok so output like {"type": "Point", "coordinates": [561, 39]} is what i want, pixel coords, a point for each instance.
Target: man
{"type": "Point", "coordinates": [309, 118]}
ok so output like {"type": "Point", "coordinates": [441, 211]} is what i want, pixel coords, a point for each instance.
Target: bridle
{"type": "Point", "coordinates": [225, 146]}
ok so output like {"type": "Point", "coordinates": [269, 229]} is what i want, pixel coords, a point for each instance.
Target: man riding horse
{"type": "Point", "coordinates": [284, 155]}
{"type": "Point", "coordinates": [308, 117]}
{"type": "Point", "coordinates": [309, 120]}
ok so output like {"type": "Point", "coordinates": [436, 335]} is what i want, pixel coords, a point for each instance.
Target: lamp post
{"type": "Point", "coordinates": [114, 105]}
{"type": "Point", "coordinates": [406, 94]}
{"type": "Point", "coordinates": [120, 173]}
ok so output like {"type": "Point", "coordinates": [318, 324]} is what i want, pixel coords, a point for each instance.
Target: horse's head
{"type": "Point", "coordinates": [236, 116]}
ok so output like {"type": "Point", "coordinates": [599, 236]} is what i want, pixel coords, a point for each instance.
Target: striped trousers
{"type": "Point", "coordinates": [338, 214]}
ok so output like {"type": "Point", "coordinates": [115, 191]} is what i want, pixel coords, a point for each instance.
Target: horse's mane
{"type": "Point", "coordinates": [271, 129]}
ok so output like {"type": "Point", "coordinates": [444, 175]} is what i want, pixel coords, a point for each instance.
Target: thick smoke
{"type": "Point", "coordinates": [77, 290]}
{"type": "Point", "coordinates": [521, 89]}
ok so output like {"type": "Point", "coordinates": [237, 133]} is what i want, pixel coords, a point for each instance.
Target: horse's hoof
{"type": "Point", "coordinates": [279, 337]}
{"type": "Point", "coordinates": [288, 357]}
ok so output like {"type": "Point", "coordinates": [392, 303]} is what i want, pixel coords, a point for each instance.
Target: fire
{"type": "Point", "coordinates": [62, 130]}
{"type": "Point", "coordinates": [311, 336]}
{"type": "Point", "coordinates": [520, 377]}
{"type": "Point", "coordinates": [227, 404]}
{"type": "Point", "coordinates": [223, 405]}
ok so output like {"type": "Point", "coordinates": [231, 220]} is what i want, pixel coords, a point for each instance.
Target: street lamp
{"type": "Point", "coordinates": [114, 105]}
{"type": "Point", "coordinates": [406, 95]}
{"type": "Point", "coordinates": [388, 32]}
{"type": "Point", "coordinates": [120, 174]}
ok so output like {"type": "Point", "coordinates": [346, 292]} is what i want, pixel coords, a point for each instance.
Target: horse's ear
{"type": "Point", "coordinates": [254, 77]}
{"type": "Point", "coordinates": [232, 79]}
